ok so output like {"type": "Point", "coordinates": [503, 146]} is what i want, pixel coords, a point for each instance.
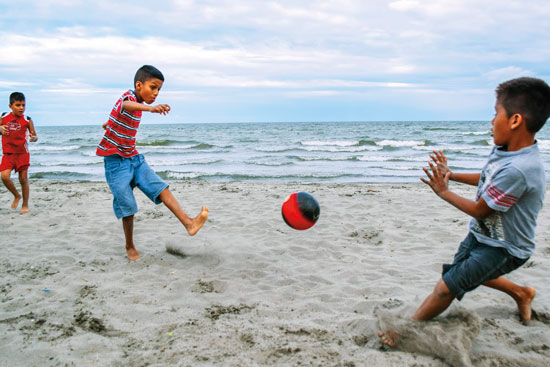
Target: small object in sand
{"type": "Point", "coordinates": [300, 210]}
{"type": "Point", "coordinates": [45, 290]}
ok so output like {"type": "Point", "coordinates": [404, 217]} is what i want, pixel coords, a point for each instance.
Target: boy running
{"type": "Point", "coordinates": [15, 149]}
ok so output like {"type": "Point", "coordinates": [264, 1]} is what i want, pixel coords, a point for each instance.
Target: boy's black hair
{"type": "Point", "coordinates": [16, 96]}
{"type": "Point", "coordinates": [147, 72]}
{"type": "Point", "coordinates": [530, 97]}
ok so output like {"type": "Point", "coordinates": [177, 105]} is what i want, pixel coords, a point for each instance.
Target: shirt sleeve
{"type": "Point", "coordinates": [505, 188]}
{"type": "Point", "coordinates": [118, 106]}
{"type": "Point", "coordinates": [127, 97]}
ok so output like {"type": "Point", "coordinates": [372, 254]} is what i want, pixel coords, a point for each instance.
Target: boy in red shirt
{"type": "Point", "coordinates": [15, 150]}
{"type": "Point", "coordinates": [126, 169]}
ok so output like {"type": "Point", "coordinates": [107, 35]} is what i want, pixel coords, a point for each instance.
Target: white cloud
{"type": "Point", "coordinates": [508, 72]}
{"type": "Point", "coordinates": [11, 84]}
{"type": "Point", "coordinates": [436, 8]}
{"type": "Point", "coordinates": [250, 49]}
{"type": "Point", "coordinates": [77, 56]}
{"type": "Point", "coordinates": [76, 86]}
{"type": "Point", "coordinates": [401, 69]}
{"type": "Point", "coordinates": [80, 91]}
{"type": "Point", "coordinates": [316, 93]}
{"type": "Point", "coordinates": [404, 5]}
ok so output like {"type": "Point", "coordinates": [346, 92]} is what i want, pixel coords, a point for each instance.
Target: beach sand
{"type": "Point", "coordinates": [248, 290]}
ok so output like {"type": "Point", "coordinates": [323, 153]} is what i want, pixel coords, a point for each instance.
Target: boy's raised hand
{"type": "Point", "coordinates": [441, 161]}
{"type": "Point", "coordinates": [438, 181]}
{"type": "Point", "coordinates": [163, 109]}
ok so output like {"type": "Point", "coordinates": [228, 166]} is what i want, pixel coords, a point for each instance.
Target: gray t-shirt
{"type": "Point", "coordinates": [512, 184]}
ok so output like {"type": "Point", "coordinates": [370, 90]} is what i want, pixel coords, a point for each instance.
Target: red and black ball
{"type": "Point", "coordinates": [300, 210]}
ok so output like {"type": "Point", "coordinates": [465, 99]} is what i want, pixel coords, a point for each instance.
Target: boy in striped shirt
{"type": "Point", "coordinates": [510, 193]}
{"type": "Point", "coordinates": [125, 168]}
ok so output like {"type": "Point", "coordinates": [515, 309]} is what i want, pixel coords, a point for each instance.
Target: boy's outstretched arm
{"type": "Point", "coordinates": [135, 106]}
{"type": "Point", "coordinates": [440, 185]}
{"type": "Point", "coordinates": [466, 178]}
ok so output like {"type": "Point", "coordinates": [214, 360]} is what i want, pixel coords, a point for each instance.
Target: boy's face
{"type": "Point", "coordinates": [148, 90]}
{"type": "Point", "coordinates": [501, 127]}
{"type": "Point", "coordinates": [17, 108]}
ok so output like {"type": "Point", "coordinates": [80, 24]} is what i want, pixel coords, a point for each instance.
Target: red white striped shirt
{"type": "Point", "coordinates": [120, 134]}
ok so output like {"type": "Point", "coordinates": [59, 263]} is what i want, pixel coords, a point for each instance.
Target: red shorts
{"type": "Point", "coordinates": [15, 161]}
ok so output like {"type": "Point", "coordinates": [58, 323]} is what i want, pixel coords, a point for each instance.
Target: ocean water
{"type": "Point", "coordinates": [340, 152]}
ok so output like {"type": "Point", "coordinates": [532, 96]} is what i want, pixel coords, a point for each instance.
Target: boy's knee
{"type": "Point", "coordinates": [23, 180]}
{"type": "Point", "coordinates": [441, 290]}
{"type": "Point", "coordinates": [6, 176]}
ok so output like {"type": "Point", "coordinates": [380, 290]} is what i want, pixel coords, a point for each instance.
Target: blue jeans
{"type": "Point", "coordinates": [123, 174]}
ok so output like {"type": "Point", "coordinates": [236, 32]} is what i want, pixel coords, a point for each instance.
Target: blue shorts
{"type": "Point", "coordinates": [123, 174]}
{"type": "Point", "coordinates": [475, 263]}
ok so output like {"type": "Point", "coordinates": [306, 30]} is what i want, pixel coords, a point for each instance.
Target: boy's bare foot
{"type": "Point", "coordinates": [389, 338]}
{"type": "Point", "coordinates": [15, 202]}
{"type": "Point", "coordinates": [524, 304]}
{"type": "Point", "coordinates": [197, 222]}
{"type": "Point", "coordinates": [132, 254]}
{"type": "Point", "coordinates": [25, 210]}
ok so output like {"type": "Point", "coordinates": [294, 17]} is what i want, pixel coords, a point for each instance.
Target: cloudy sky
{"type": "Point", "coordinates": [281, 60]}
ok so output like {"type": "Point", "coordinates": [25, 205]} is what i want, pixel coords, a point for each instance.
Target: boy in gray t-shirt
{"type": "Point", "coordinates": [510, 195]}
{"type": "Point", "coordinates": [513, 184]}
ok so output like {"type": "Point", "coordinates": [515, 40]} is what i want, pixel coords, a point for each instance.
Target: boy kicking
{"type": "Point", "coordinates": [15, 150]}
{"type": "Point", "coordinates": [510, 194]}
{"type": "Point", "coordinates": [125, 168]}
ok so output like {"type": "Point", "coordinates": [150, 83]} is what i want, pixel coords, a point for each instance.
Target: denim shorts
{"type": "Point", "coordinates": [476, 263]}
{"type": "Point", "coordinates": [123, 174]}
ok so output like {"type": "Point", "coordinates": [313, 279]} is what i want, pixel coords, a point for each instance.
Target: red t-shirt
{"type": "Point", "coordinates": [16, 141]}
{"type": "Point", "coordinates": [120, 135]}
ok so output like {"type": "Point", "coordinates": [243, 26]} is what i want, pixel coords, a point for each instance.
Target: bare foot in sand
{"type": "Point", "coordinates": [132, 254]}
{"type": "Point", "coordinates": [15, 202]}
{"type": "Point", "coordinates": [524, 304]}
{"type": "Point", "coordinates": [197, 222]}
{"type": "Point", "coordinates": [25, 210]}
{"type": "Point", "coordinates": [389, 338]}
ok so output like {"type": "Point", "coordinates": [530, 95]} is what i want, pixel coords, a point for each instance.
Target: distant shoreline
{"type": "Point", "coordinates": [270, 122]}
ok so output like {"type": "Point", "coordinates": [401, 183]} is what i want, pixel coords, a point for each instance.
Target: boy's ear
{"type": "Point", "coordinates": [516, 120]}
{"type": "Point", "coordinates": [139, 84]}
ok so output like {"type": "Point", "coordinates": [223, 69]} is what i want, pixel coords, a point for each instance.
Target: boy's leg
{"type": "Point", "coordinates": [157, 190]}
{"type": "Point", "coordinates": [11, 187]}
{"type": "Point", "coordinates": [128, 226]}
{"type": "Point", "coordinates": [191, 224]}
{"type": "Point", "coordinates": [522, 295]}
{"type": "Point", "coordinates": [437, 302]}
{"type": "Point", "coordinates": [482, 262]}
{"type": "Point", "coordinates": [24, 181]}
{"type": "Point", "coordinates": [441, 297]}
{"type": "Point", "coordinates": [119, 174]}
